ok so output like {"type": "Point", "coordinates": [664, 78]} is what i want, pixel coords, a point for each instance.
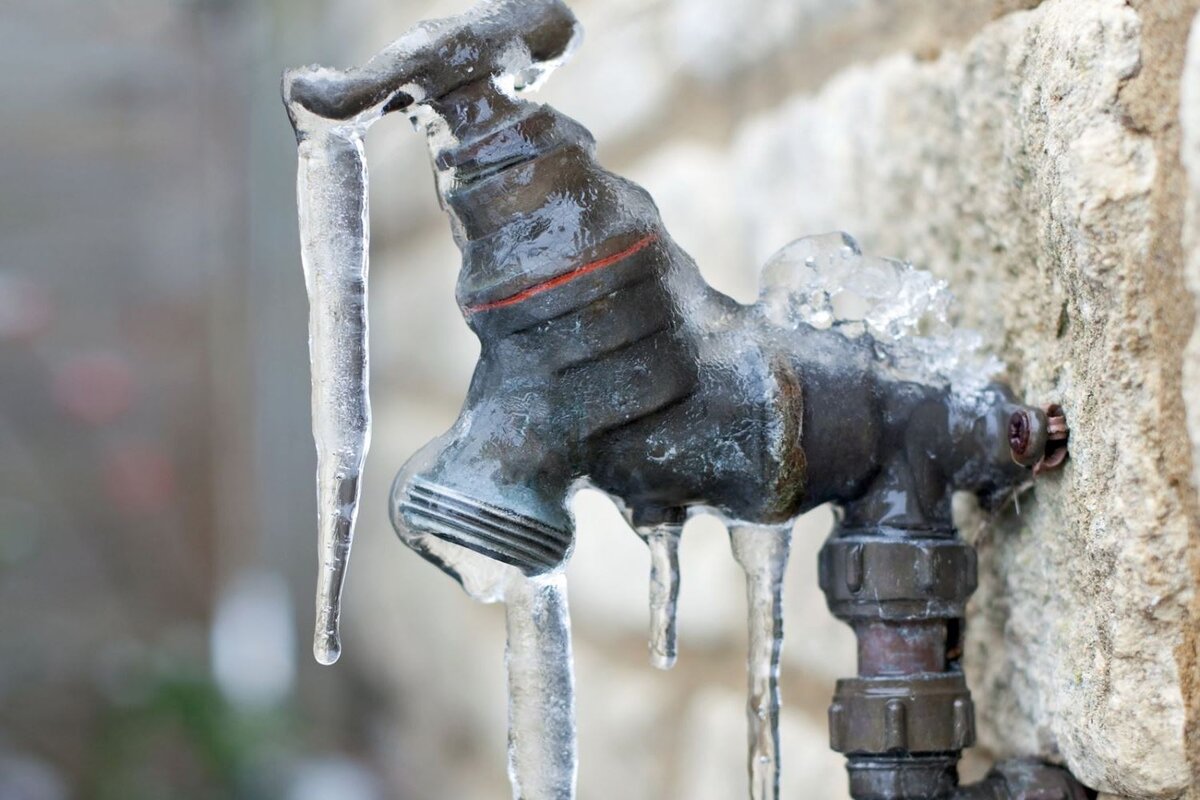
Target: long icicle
{"type": "Point", "coordinates": [763, 555]}
{"type": "Point", "coordinates": [332, 191]}
{"type": "Point", "coordinates": [542, 762]}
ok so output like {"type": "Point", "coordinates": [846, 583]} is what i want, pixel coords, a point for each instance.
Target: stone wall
{"type": "Point", "coordinates": [1029, 154]}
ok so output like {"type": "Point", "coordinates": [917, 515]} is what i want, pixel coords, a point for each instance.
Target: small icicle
{"type": "Point", "coordinates": [763, 555]}
{"type": "Point", "coordinates": [663, 541]}
{"type": "Point", "coordinates": [542, 761]}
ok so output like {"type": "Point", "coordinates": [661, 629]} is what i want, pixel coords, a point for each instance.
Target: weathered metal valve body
{"type": "Point", "coordinates": [606, 358]}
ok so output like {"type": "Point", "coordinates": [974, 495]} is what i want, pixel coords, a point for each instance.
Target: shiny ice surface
{"type": "Point", "coordinates": [762, 553]}
{"type": "Point", "coordinates": [542, 760]}
{"type": "Point", "coordinates": [663, 541]}
{"type": "Point", "coordinates": [826, 282]}
{"type": "Point", "coordinates": [332, 189]}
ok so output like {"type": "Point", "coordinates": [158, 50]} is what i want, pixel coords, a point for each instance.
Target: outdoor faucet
{"type": "Point", "coordinates": [606, 360]}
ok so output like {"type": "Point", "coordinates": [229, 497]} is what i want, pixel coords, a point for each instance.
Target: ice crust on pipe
{"type": "Point", "coordinates": [825, 281]}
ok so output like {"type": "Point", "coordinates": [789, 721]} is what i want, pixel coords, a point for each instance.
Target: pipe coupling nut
{"type": "Point", "coordinates": [894, 577]}
{"type": "Point", "coordinates": [930, 713]}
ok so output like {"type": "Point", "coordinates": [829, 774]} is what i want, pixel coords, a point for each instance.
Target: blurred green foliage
{"type": "Point", "coordinates": [178, 738]}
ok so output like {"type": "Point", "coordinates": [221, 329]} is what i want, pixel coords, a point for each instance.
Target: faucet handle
{"type": "Point", "coordinates": [524, 38]}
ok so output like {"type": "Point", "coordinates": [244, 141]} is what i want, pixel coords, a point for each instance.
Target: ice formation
{"type": "Point", "coordinates": [332, 184]}
{"type": "Point", "coordinates": [663, 541]}
{"type": "Point", "coordinates": [825, 281]}
{"type": "Point", "coordinates": [542, 761]}
{"type": "Point", "coordinates": [762, 553]}
{"type": "Point", "coordinates": [541, 689]}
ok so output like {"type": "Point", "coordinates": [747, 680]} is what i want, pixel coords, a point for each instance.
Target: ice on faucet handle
{"type": "Point", "coordinates": [526, 38]}
{"type": "Point", "coordinates": [334, 94]}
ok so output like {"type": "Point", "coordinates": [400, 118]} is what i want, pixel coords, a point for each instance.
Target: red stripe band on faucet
{"type": "Point", "coordinates": [566, 277]}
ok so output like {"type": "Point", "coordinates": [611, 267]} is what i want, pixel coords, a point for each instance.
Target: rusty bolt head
{"type": "Point", "coordinates": [1027, 432]}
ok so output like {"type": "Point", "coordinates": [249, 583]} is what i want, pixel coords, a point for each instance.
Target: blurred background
{"type": "Point", "coordinates": [157, 515]}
